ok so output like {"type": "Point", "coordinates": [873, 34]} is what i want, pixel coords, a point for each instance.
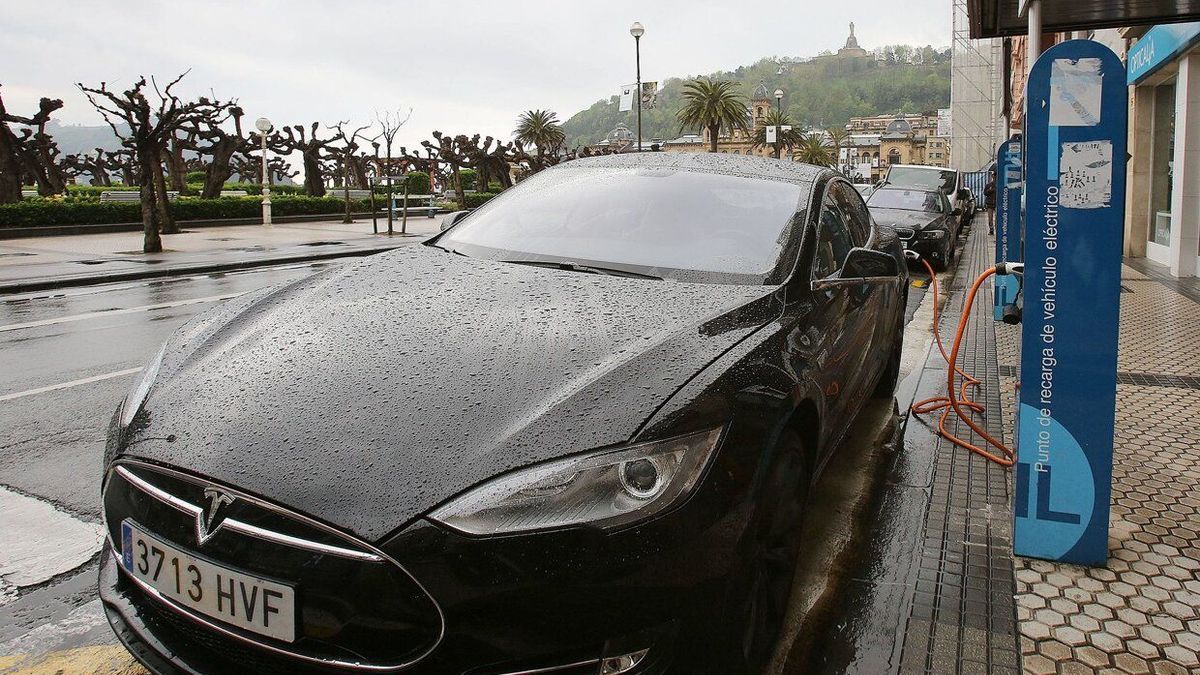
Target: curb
{"type": "Point", "coordinates": [108, 228]}
{"type": "Point", "coordinates": [49, 283]}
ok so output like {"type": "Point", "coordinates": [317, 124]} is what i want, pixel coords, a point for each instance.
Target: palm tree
{"type": "Point", "coordinates": [838, 136]}
{"type": "Point", "coordinates": [540, 128]}
{"type": "Point", "coordinates": [788, 139]}
{"type": "Point", "coordinates": [712, 105]}
{"type": "Point", "coordinates": [813, 149]}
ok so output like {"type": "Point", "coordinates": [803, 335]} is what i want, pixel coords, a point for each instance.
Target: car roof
{"type": "Point", "coordinates": [746, 166]}
{"type": "Point", "coordinates": [921, 166]}
{"type": "Point", "coordinates": [907, 188]}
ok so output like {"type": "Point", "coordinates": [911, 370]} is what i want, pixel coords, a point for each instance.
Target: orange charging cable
{"type": "Point", "coordinates": [962, 402]}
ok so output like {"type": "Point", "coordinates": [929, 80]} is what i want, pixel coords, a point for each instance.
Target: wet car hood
{"type": "Point", "coordinates": [904, 218]}
{"type": "Point", "coordinates": [369, 394]}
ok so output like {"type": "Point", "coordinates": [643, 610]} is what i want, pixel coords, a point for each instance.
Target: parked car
{"type": "Point", "coordinates": [948, 181]}
{"type": "Point", "coordinates": [864, 189]}
{"type": "Point", "coordinates": [574, 431]}
{"type": "Point", "coordinates": [923, 219]}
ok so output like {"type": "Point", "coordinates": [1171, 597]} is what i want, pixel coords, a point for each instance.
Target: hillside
{"type": "Point", "coordinates": [817, 93]}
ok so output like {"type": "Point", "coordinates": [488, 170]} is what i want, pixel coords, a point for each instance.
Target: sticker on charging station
{"type": "Point", "coordinates": [1085, 175]}
{"type": "Point", "coordinates": [1074, 147]}
{"type": "Point", "coordinates": [1010, 179]}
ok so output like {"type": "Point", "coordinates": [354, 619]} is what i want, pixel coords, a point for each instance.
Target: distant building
{"type": "Point", "coordinates": [880, 140]}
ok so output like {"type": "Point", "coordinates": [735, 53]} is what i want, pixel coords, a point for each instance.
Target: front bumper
{"type": "Point", "coordinates": [555, 602]}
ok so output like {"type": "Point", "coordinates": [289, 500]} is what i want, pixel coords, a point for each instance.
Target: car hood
{"type": "Point", "coordinates": [904, 218]}
{"type": "Point", "coordinates": [369, 394]}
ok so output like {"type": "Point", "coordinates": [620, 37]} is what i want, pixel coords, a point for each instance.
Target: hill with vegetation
{"type": "Point", "coordinates": [821, 92]}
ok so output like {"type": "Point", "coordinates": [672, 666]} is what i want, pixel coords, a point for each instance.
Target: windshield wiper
{"type": "Point", "coordinates": [587, 269]}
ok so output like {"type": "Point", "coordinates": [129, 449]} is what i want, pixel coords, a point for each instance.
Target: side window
{"type": "Point", "coordinates": [857, 216]}
{"type": "Point", "coordinates": [833, 238]}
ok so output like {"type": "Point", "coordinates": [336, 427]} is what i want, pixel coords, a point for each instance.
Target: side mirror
{"type": "Point", "coordinates": [867, 262]}
{"type": "Point", "coordinates": [449, 221]}
{"type": "Point", "coordinates": [956, 212]}
{"type": "Point", "coordinates": [964, 193]}
{"type": "Point", "coordinates": [862, 266]}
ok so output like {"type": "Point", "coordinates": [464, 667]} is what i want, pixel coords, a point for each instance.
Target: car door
{"type": "Point", "coordinates": [835, 318]}
{"type": "Point", "coordinates": [867, 303]}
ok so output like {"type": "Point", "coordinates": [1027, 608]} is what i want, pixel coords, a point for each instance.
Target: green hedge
{"type": "Point", "coordinates": [418, 184]}
{"type": "Point", "coordinates": [478, 198]}
{"type": "Point", "coordinates": [50, 212]}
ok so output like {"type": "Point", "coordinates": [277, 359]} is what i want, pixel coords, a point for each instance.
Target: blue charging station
{"type": "Point", "coordinates": [1075, 152]}
{"type": "Point", "coordinates": [1010, 180]}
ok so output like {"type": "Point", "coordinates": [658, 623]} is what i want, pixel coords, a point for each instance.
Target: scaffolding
{"type": "Point", "coordinates": [976, 97]}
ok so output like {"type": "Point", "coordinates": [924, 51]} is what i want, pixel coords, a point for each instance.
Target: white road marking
{"type": "Point", "coordinates": [114, 312]}
{"type": "Point", "coordinates": [38, 541]}
{"type": "Point", "coordinates": [68, 385]}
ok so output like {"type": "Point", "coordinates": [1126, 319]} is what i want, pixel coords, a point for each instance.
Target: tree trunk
{"type": "Point", "coordinates": [176, 167]}
{"type": "Point", "coordinates": [151, 241]}
{"type": "Point", "coordinates": [162, 203]}
{"type": "Point", "coordinates": [458, 188]}
{"type": "Point", "coordinates": [713, 131]}
{"type": "Point", "coordinates": [219, 169]}
{"type": "Point", "coordinates": [314, 182]}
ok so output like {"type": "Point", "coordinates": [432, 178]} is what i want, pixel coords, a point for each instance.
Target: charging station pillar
{"type": "Point", "coordinates": [1009, 182]}
{"type": "Point", "coordinates": [1074, 147]}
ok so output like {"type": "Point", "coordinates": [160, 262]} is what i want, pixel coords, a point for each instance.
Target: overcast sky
{"type": "Point", "coordinates": [462, 67]}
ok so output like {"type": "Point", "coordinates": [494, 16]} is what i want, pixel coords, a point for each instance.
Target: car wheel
{"type": "Point", "coordinates": [764, 591]}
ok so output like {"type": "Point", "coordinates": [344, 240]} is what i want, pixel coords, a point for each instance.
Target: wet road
{"type": "Point", "coordinates": [67, 358]}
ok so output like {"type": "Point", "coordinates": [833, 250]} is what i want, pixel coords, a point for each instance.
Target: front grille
{"type": "Point", "coordinates": [355, 606]}
{"type": "Point", "coordinates": [905, 233]}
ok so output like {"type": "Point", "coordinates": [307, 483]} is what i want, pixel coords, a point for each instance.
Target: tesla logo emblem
{"type": "Point", "coordinates": [212, 516]}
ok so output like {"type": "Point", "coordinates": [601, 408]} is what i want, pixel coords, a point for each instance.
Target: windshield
{"type": "Point", "coordinates": [906, 200]}
{"type": "Point", "coordinates": [659, 221]}
{"type": "Point", "coordinates": [929, 179]}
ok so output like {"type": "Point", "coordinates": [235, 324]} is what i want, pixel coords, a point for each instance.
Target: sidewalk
{"type": "Point", "coordinates": [38, 263]}
{"type": "Point", "coordinates": [937, 589]}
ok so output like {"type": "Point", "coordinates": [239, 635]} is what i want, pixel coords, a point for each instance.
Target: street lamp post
{"type": "Point", "coordinates": [264, 127]}
{"type": "Point", "coordinates": [779, 131]}
{"type": "Point", "coordinates": [637, 31]}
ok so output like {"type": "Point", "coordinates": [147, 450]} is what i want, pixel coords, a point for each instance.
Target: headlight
{"type": "Point", "coordinates": [933, 234]}
{"type": "Point", "coordinates": [607, 489]}
{"type": "Point", "coordinates": [137, 395]}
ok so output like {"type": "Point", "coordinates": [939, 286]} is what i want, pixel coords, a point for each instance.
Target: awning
{"type": "Point", "coordinates": [995, 18]}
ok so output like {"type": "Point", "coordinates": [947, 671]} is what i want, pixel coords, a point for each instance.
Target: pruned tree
{"type": "Point", "coordinates": [148, 127]}
{"type": "Point", "coordinates": [98, 166]}
{"type": "Point", "coordinates": [126, 164]}
{"type": "Point", "coordinates": [313, 154]}
{"type": "Point", "coordinates": [222, 146]}
{"type": "Point", "coordinates": [179, 164]}
{"type": "Point", "coordinates": [347, 156]}
{"type": "Point", "coordinates": [30, 154]}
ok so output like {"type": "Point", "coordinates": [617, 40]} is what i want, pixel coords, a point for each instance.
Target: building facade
{"type": "Point", "coordinates": [1163, 71]}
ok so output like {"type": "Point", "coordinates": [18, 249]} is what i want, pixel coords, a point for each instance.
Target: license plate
{"type": "Point", "coordinates": [243, 600]}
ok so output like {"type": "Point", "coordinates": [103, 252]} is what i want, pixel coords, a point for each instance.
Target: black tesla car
{"type": "Point", "coordinates": [571, 434]}
{"type": "Point", "coordinates": [923, 219]}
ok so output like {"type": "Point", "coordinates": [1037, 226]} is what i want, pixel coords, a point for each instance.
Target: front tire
{"type": "Point", "coordinates": [765, 582]}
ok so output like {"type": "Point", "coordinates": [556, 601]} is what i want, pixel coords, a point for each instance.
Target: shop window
{"type": "Point", "coordinates": [1162, 168]}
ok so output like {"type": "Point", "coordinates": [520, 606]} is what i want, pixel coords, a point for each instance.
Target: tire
{"type": "Point", "coordinates": [762, 590]}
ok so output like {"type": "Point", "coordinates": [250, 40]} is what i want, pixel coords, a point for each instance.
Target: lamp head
{"type": "Point", "coordinates": [263, 124]}
{"type": "Point", "coordinates": [778, 93]}
{"type": "Point", "coordinates": [636, 30]}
